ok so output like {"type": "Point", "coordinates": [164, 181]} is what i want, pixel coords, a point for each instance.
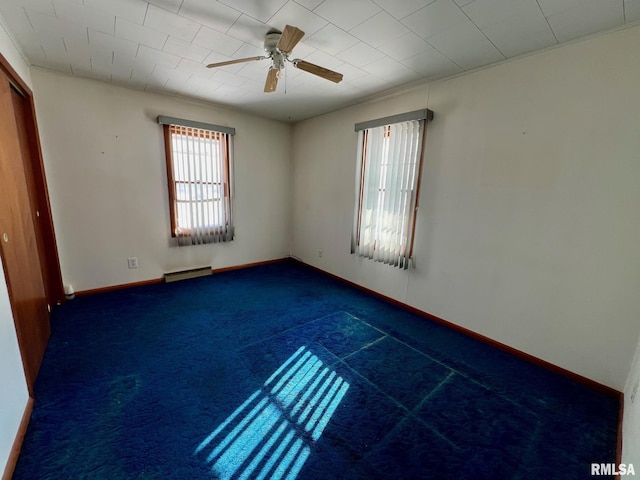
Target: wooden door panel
{"type": "Point", "coordinates": [18, 244]}
{"type": "Point", "coordinates": [32, 188]}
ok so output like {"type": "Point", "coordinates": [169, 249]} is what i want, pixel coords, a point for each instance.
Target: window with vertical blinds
{"type": "Point", "coordinates": [387, 186]}
{"type": "Point", "coordinates": [199, 175]}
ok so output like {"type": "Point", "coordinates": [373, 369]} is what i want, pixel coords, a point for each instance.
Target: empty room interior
{"type": "Point", "coordinates": [319, 239]}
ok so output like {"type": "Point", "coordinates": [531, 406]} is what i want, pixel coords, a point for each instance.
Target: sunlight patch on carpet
{"type": "Point", "coordinates": [272, 433]}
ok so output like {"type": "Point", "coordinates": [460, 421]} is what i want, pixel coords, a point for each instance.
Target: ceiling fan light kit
{"type": "Point", "coordinates": [278, 47]}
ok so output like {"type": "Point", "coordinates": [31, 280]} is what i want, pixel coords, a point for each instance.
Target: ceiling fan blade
{"type": "Point", "coordinates": [272, 80]}
{"type": "Point", "coordinates": [289, 38]}
{"type": "Point", "coordinates": [319, 71]}
{"type": "Point", "coordinates": [231, 62]}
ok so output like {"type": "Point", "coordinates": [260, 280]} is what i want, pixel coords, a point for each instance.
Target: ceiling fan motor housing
{"type": "Point", "coordinates": [271, 42]}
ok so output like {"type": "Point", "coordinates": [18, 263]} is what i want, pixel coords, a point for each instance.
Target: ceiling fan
{"type": "Point", "coordinates": [278, 46]}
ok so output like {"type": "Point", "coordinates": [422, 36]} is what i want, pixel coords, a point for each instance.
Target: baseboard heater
{"type": "Point", "coordinates": [189, 273]}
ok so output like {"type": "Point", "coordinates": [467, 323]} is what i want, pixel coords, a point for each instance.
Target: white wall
{"type": "Point", "coordinates": [528, 229]}
{"type": "Point", "coordinates": [104, 158]}
{"type": "Point", "coordinates": [12, 381]}
{"type": "Point", "coordinates": [14, 397]}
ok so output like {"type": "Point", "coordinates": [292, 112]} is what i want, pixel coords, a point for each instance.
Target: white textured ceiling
{"type": "Point", "coordinates": [165, 45]}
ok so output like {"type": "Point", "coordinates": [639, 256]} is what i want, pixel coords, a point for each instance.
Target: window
{"type": "Point", "coordinates": [387, 187]}
{"type": "Point", "coordinates": [199, 161]}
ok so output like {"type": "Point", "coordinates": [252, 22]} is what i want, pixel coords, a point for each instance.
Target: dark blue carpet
{"type": "Point", "coordinates": [281, 372]}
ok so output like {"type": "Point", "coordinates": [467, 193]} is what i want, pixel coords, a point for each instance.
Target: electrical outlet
{"type": "Point", "coordinates": [132, 262]}
{"type": "Point", "coordinates": [320, 253]}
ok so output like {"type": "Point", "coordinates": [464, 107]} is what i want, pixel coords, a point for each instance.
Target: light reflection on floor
{"type": "Point", "coordinates": [271, 434]}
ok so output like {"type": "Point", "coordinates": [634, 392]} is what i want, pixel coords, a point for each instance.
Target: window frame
{"type": "Point", "coordinates": [174, 126]}
{"type": "Point", "coordinates": [172, 182]}
{"type": "Point", "coordinates": [424, 116]}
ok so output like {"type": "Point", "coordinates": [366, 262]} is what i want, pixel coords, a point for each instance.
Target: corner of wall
{"type": "Point", "coordinates": [631, 419]}
{"type": "Point", "coordinates": [10, 49]}
{"type": "Point", "coordinates": [292, 133]}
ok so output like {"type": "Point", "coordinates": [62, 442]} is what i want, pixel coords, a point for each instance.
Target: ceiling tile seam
{"type": "Point", "coordinates": [393, 85]}
{"type": "Point", "coordinates": [504, 57]}
{"type": "Point", "coordinates": [436, 49]}
{"type": "Point", "coordinates": [152, 72]}
{"type": "Point", "coordinates": [194, 37]}
{"type": "Point", "coordinates": [89, 9]}
{"type": "Point", "coordinates": [28, 18]}
{"type": "Point", "coordinates": [213, 28]}
{"type": "Point", "coordinates": [234, 52]}
{"type": "Point", "coordinates": [416, 11]}
{"type": "Point", "coordinates": [407, 15]}
{"type": "Point", "coordinates": [387, 56]}
{"type": "Point", "coordinates": [162, 32]}
{"type": "Point", "coordinates": [146, 11]}
{"type": "Point", "coordinates": [334, 25]}
{"type": "Point", "coordinates": [232, 25]}
{"type": "Point", "coordinates": [16, 43]}
{"type": "Point", "coordinates": [271, 17]}
{"type": "Point", "coordinates": [166, 40]}
{"type": "Point", "coordinates": [329, 22]}
{"type": "Point", "coordinates": [432, 46]}
{"type": "Point", "coordinates": [172, 13]}
{"type": "Point", "coordinates": [547, 20]}
{"type": "Point", "coordinates": [441, 53]}
{"type": "Point", "coordinates": [367, 19]}
{"type": "Point", "coordinates": [335, 54]}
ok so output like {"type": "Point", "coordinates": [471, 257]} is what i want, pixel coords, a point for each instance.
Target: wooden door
{"type": "Point", "coordinates": [18, 242]}
{"type": "Point", "coordinates": [38, 198]}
